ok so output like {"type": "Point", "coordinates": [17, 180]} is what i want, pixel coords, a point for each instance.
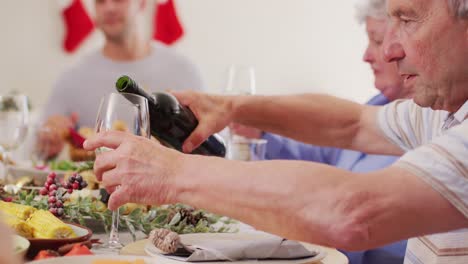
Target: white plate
{"type": "Point", "coordinates": [39, 176]}
{"type": "Point", "coordinates": [21, 245]}
{"type": "Point", "coordinates": [188, 239]}
{"type": "Point", "coordinates": [90, 259]}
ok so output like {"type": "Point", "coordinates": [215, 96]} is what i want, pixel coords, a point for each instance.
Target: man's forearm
{"type": "Point", "coordinates": [317, 203]}
{"type": "Point", "coordinates": [311, 118]}
{"type": "Point", "coordinates": [272, 196]}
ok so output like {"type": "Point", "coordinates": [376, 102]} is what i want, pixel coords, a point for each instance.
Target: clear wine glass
{"type": "Point", "coordinates": [240, 81]}
{"type": "Point", "coordinates": [14, 120]}
{"type": "Point", "coordinates": [128, 113]}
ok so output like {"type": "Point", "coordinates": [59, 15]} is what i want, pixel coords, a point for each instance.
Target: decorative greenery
{"type": "Point", "coordinates": [179, 218]}
{"type": "Point", "coordinates": [66, 165]}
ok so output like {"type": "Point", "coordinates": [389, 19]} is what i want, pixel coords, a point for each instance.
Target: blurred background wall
{"type": "Point", "coordinates": [295, 45]}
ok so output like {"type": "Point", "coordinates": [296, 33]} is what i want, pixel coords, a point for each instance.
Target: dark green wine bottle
{"type": "Point", "coordinates": [170, 121]}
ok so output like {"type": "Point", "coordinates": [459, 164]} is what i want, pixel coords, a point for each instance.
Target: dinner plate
{"type": "Point", "coordinates": [188, 239]}
{"type": "Point", "coordinates": [21, 245]}
{"type": "Point", "coordinates": [38, 244]}
{"type": "Point", "coordinates": [39, 177]}
{"type": "Point", "coordinates": [91, 259]}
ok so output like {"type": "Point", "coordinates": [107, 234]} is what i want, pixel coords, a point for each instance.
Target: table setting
{"type": "Point", "coordinates": [59, 211]}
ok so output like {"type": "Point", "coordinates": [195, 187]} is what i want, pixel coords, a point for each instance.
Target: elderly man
{"type": "Point", "coordinates": [425, 192]}
{"type": "Point", "coordinates": [75, 97]}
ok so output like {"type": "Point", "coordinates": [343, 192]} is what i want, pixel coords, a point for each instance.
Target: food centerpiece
{"type": "Point", "coordinates": [62, 205]}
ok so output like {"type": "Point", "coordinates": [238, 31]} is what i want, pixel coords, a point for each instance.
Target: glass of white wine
{"type": "Point", "coordinates": [128, 113]}
{"type": "Point", "coordinates": [241, 80]}
{"type": "Point", "coordinates": [14, 121]}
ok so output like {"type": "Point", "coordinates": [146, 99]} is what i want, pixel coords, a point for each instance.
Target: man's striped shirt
{"type": "Point", "coordinates": [436, 146]}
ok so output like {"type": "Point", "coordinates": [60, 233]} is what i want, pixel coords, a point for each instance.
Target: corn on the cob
{"type": "Point", "coordinates": [23, 212]}
{"type": "Point", "coordinates": [46, 225]}
{"type": "Point", "coordinates": [19, 226]}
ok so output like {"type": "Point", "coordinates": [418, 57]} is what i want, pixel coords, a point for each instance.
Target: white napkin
{"type": "Point", "coordinates": [267, 247]}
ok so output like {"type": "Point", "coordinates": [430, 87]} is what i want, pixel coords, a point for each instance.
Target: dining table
{"type": "Point", "coordinates": [137, 247]}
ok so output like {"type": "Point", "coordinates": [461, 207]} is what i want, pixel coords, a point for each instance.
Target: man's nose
{"type": "Point", "coordinates": [393, 50]}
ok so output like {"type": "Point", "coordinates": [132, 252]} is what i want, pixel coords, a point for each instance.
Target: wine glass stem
{"type": "Point", "coordinates": [5, 161]}
{"type": "Point", "coordinates": [114, 233]}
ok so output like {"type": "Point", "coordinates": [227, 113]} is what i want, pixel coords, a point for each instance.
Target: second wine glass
{"type": "Point", "coordinates": [128, 113]}
{"type": "Point", "coordinates": [240, 80]}
{"type": "Point", "coordinates": [14, 121]}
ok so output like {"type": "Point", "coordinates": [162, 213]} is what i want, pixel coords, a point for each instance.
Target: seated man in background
{"type": "Point", "coordinates": [75, 97]}
{"type": "Point", "coordinates": [390, 84]}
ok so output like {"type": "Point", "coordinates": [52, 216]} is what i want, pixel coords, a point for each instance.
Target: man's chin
{"type": "Point", "coordinates": [112, 33]}
{"type": "Point", "coordinates": [117, 38]}
{"type": "Point", "coordinates": [427, 101]}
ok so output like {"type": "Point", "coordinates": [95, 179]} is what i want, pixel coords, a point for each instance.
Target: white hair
{"type": "Point", "coordinates": [370, 8]}
{"type": "Point", "coordinates": [460, 7]}
{"type": "Point", "coordinates": [377, 9]}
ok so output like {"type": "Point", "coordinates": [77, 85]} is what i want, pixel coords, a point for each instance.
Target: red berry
{"type": "Point", "coordinates": [79, 178]}
{"type": "Point", "coordinates": [8, 199]}
{"type": "Point", "coordinates": [52, 175]}
{"type": "Point", "coordinates": [50, 181]}
{"type": "Point", "coordinates": [68, 185]}
{"type": "Point", "coordinates": [52, 199]}
{"type": "Point", "coordinates": [43, 191]}
{"type": "Point", "coordinates": [70, 190]}
{"type": "Point", "coordinates": [53, 211]}
{"type": "Point", "coordinates": [52, 193]}
{"type": "Point", "coordinates": [53, 187]}
{"type": "Point", "coordinates": [83, 185]}
{"type": "Point", "coordinates": [59, 204]}
{"type": "Point", "coordinates": [46, 185]}
{"type": "Point", "coordinates": [76, 185]}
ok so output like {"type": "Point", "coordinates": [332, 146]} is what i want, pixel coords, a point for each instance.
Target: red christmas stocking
{"type": "Point", "coordinates": [78, 25]}
{"type": "Point", "coordinates": [168, 28]}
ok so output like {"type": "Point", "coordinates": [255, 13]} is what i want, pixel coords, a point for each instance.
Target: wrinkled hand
{"type": "Point", "coordinates": [214, 113]}
{"type": "Point", "coordinates": [143, 168]}
{"type": "Point", "coordinates": [62, 124]}
{"type": "Point", "coordinates": [51, 137]}
{"type": "Point", "coordinates": [245, 131]}
{"type": "Point", "coordinates": [49, 142]}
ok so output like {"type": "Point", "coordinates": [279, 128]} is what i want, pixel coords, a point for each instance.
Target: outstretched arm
{"type": "Point", "coordinates": [311, 118]}
{"type": "Point", "coordinates": [298, 200]}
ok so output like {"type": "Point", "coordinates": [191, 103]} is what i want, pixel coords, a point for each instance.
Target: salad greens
{"type": "Point", "coordinates": [66, 165]}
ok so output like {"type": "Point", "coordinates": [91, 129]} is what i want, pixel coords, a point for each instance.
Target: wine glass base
{"type": "Point", "coordinates": [114, 247]}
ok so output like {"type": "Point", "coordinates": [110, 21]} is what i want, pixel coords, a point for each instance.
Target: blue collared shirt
{"type": "Point", "coordinates": [283, 148]}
